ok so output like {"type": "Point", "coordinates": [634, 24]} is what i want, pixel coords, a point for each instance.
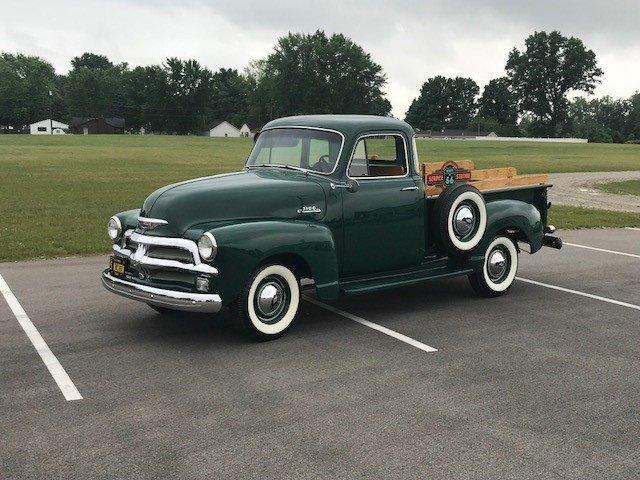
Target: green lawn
{"type": "Point", "coordinates": [565, 216]}
{"type": "Point", "coordinates": [57, 192]}
{"type": "Point", "coordinates": [629, 187]}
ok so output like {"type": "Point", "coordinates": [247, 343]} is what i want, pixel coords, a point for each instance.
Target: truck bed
{"type": "Point", "coordinates": [485, 180]}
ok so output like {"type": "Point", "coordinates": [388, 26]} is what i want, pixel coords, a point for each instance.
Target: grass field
{"type": "Point", "coordinates": [628, 187]}
{"type": "Point", "coordinates": [57, 192]}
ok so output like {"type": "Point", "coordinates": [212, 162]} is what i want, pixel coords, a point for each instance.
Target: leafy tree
{"type": "Point", "coordinates": [147, 94]}
{"type": "Point", "coordinates": [190, 88]}
{"type": "Point", "coordinates": [550, 66]}
{"type": "Point", "coordinates": [25, 83]}
{"type": "Point", "coordinates": [602, 120]}
{"type": "Point", "coordinates": [633, 119]}
{"type": "Point", "coordinates": [499, 103]}
{"type": "Point", "coordinates": [91, 60]}
{"type": "Point", "coordinates": [95, 87]}
{"type": "Point", "coordinates": [317, 74]}
{"type": "Point", "coordinates": [230, 96]}
{"type": "Point", "coordinates": [443, 103]}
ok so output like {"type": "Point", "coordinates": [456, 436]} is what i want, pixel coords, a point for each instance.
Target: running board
{"type": "Point", "coordinates": [365, 285]}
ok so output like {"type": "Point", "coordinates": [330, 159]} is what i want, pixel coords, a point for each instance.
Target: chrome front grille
{"type": "Point", "coordinates": [167, 252]}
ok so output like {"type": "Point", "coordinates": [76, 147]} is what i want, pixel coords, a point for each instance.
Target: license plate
{"type": "Point", "coordinates": [117, 266]}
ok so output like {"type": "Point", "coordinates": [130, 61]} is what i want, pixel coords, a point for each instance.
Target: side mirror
{"type": "Point", "coordinates": [353, 186]}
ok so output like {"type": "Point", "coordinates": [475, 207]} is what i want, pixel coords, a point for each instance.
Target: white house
{"type": "Point", "coordinates": [222, 129]}
{"type": "Point", "coordinates": [43, 127]}
{"type": "Point", "coordinates": [245, 131]}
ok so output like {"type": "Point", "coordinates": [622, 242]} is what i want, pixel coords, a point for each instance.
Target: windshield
{"type": "Point", "coordinates": [313, 150]}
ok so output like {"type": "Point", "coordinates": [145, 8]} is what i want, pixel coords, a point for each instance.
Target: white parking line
{"type": "Point", "coordinates": [583, 294]}
{"type": "Point", "coordinates": [375, 326]}
{"type": "Point", "coordinates": [633, 228]}
{"type": "Point", "coordinates": [58, 373]}
{"type": "Point", "coordinates": [601, 249]}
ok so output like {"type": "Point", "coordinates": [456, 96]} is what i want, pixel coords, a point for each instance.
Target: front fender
{"type": "Point", "coordinates": [515, 214]}
{"type": "Point", "coordinates": [129, 219]}
{"type": "Point", "coordinates": [242, 247]}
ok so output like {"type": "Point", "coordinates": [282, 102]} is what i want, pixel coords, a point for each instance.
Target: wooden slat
{"type": "Point", "coordinates": [495, 183]}
{"type": "Point", "coordinates": [517, 181]}
{"type": "Point", "coordinates": [504, 172]}
{"type": "Point", "coordinates": [432, 167]}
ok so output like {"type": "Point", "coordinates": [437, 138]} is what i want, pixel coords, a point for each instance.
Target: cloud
{"type": "Point", "coordinates": [411, 39]}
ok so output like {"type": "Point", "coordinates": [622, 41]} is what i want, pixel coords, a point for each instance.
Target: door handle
{"type": "Point", "coordinates": [408, 189]}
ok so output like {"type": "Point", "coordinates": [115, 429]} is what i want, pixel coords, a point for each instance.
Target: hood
{"type": "Point", "coordinates": [266, 193]}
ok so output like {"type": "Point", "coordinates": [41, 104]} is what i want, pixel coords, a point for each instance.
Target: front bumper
{"type": "Point", "coordinates": [190, 302]}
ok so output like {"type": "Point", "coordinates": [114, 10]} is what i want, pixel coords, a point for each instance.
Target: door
{"type": "Point", "coordinates": [383, 219]}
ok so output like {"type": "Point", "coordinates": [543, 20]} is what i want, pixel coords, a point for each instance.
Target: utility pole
{"type": "Point", "coordinates": [50, 112]}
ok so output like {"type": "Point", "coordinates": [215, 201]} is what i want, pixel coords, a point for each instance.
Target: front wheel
{"type": "Point", "coordinates": [269, 302]}
{"type": "Point", "coordinates": [498, 270]}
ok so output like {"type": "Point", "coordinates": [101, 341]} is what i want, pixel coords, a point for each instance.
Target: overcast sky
{"type": "Point", "coordinates": [412, 40]}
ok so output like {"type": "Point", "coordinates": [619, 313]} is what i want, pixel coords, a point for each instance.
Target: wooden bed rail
{"type": "Point", "coordinates": [483, 179]}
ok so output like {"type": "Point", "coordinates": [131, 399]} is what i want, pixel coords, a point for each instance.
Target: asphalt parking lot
{"type": "Point", "coordinates": [543, 382]}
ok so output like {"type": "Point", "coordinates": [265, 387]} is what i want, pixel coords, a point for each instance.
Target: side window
{"type": "Point", "coordinates": [379, 156]}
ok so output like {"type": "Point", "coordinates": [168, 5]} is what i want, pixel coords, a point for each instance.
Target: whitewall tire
{"type": "Point", "coordinates": [499, 268]}
{"type": "Point", "coordinates": [270, 302]}
{"type": "Point", "coordinates": [460, 216]}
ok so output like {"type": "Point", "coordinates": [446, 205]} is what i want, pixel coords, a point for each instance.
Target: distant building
{"type": "Point", "coordinates": [222, 128]}
{"type": "Point", "coordinates": [87, 125]}
{"type": "Point", "coordinates": [245, 131]}
{"type": "Point", "coordinates": [452, 134]}
{"type": "Point", "coordinates": [48, 127]}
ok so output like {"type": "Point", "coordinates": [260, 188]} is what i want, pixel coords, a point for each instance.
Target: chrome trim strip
{"type": "Point", "coordinates": [192, 302]}
{"type": "Point", "coordinates": [156, 221]}
{"type": "Point", "coordinates": [394, 133]}
{"type": "Point", "coordinates": [140, 254]}
{"type": "Point", "coordinates": [308, 128]}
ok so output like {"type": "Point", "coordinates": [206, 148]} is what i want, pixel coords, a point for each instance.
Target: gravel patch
{"type": "Point", "coordinates": [578, 189]}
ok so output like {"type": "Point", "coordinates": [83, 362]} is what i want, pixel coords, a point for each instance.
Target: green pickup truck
{"type": "Point", "coordinates": [340, 201]}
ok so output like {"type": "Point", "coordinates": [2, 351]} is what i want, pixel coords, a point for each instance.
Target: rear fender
{"type": "Point", "coordinates": [514, 214]}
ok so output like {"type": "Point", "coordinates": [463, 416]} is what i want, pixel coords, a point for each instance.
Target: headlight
{"type": "Point", "coordinates": [207, 246]}
{"type": "Point", "coordinates": [114, 228]}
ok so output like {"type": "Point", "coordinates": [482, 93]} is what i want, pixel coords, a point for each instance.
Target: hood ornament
{"type": "Point", "coordinates": [145, 223]}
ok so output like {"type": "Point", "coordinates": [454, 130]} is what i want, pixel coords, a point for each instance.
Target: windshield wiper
{"type": "Point", "coordinates": [289, 167]}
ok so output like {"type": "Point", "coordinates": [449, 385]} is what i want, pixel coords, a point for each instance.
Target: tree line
{"type": "Point", "coordinates": [531, 99]}
{"type": "Point", "coordinates": [317, 73]}
{"type": "Point", "coordinates": [305, 73]}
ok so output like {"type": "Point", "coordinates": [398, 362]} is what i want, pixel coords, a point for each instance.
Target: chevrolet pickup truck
{"type": "Point", "coordinates": [339, 200]}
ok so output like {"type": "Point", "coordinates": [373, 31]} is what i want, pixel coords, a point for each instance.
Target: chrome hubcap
{"type": "Point", "coordinates": [497, 264]}
{"type": "Point", "coordinates": [463, 221]}
{"type": "Point", "coordinates": [270, 299]}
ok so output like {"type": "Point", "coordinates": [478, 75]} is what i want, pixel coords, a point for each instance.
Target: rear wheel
{"type": "Point", "coordinates": [269, 302]}
{"type": "Point", "coordinates": [498, 269]}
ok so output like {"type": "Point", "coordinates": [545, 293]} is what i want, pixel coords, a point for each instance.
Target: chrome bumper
{"type": "Point", "coordinates": [190, 302]}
